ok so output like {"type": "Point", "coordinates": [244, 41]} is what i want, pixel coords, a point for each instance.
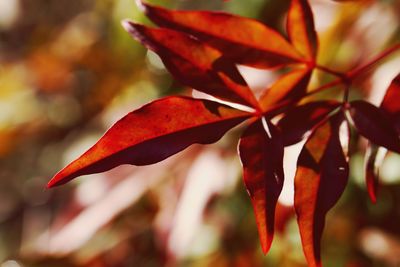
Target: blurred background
{"type": "Point", "coordinates": [68, 71]}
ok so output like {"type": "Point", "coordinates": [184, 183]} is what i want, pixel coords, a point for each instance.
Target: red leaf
{"type": "Point", "coordinates": [194, 63]}
{"type": "Point", "coordinates": [391, 103]}
{"type": "Point", "coordinates": [373, 123]}
{"type": "Point", "coordinates": [261, 153]}
{"type": "Point", "coordinates": [320, 180]}
{"type": "Point", "coordinates": [299, 120]}
{"type": "Point", "coordinates": [373, 160]}
{"type": "Point", "coordinates": [301, 30]}
{"type": "Point", "coordinates": [154, 132]}
{"type": "Point", "coordinates": [245, 41]}
{"type": "Point", "coordinates": [290, 87]}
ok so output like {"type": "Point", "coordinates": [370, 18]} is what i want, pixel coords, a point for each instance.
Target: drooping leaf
{"type": "Point", "coordinates": [321, 177]}
{"type": "Point", "coordinates": [194, 63]}
{"type": "Point", "coordinates": [245, 41]}
{"type": "Point", "coordinates": [290, 87]}
{"type": "Point", "coordinates": [374, 156]}
{"type": "Point", "coordinates": [153, 133]}
{"type": "Point", "coordinates": [374, 124]}
{"type": "Point", "coordinates": [261, 153]}
{"type": "Point", "coordinates": [391, 103]}
{"type": "Point", "coordinates": [301, 119]}
{"type": "Point", "coordinates": [301, 29]}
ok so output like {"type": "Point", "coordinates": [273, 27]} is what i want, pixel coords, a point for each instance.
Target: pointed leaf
{"type": "Point", "coordinates": [261, 153]}
{"type": "Point", "coordinates": [320, 179]}
{"type": "Point", "coordinates": [301, 29]}
{"type": "Point", "coordinates": [153, 133]}
{"type": "Point", "coordinates": [194, 63]}
{"type": "Point", "coordinates": [290, 87]}
{"type": "Point", "coordinates": [301, 119]}
{"type": "Point", "coordinates": [374, 124]}
{"type": "Point", "coordinates": [374, 156]}
{"type": "Point", "coordinates": [391, 103]}
{"type": "Point", "coordinates": [245, 41]}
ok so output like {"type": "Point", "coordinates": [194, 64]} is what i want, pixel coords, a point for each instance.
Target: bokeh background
{"type": "Point", "coordinates": [68, 71]}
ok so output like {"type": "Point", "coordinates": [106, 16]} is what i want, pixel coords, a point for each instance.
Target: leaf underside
{"type": "Point", "coordinates": [195, 64]}
{"type": "Point", "coordinates": [391, 106]}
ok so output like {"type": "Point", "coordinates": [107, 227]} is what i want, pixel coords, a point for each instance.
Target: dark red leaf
{"type": "Point", "coordinates": [154, 132]}
{"type": "Point", "coordinates": [261, 153]}
{"type": "Point", "coordinates": [301, 30]}
{"type": "Point", "coordinates": [320, 180]}
{"type": "Point", "coordinates": [299, 120]}
{"type": "Point", "coordinates": [194, 63]}
{"type": "Point", "coordinates": [290, 87]}
{"type": "Point", "coordinates": [373, 157]}
{"type": "Point", "coordinates": [391, 103]}
{"type": "Point", "coordinates": [374, 124]}
{"type": "Point", "coordinates": [245, 41]}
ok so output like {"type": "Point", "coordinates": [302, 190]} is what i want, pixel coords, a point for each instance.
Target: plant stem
{"type": "Point", "coordinates": [356, 72]}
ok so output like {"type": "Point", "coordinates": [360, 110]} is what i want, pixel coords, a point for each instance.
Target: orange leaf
{"type": "Point", "coordinates": [290, 87]}
{"type": "Point", "coordinates": [320, 179]}
{"type": "Point", "coordinates": [153, 133]}
{"type": "Point", "coordinates": [245, 41]}
{"type": "Point", "coordinates": [261, 153]}
{"type": "Point", "coordinates": [301, 30]}
{"type": "Point", "coordinates": [194, 63]}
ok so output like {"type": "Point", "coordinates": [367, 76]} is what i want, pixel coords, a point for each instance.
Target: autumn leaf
{"type": "Point", "coordinates": [301, 119]}
{"type": "Point", "coordinates": [374, 124]}
{"type": "Point", "coordinates": [321, 177]}
{"type": "Point", "coordinates": [301, 29]}
{"type": "Point", "coordinates": [261, 153]}
{"type": "Point", "coordinates": [194, 63]}
{"type": "Point", "coordinates": [290, 88]}
{"type": "Point", "coordinates": [153, 133]}
{"type": "Point", "coordinates": [243, 40]}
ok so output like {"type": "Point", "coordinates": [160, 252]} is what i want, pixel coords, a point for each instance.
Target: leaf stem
{"type": "Point", "coordinates": [330, 71]}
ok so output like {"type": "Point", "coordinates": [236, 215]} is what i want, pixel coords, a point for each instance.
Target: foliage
{"type": "Point", "coordinates": [201, 50]}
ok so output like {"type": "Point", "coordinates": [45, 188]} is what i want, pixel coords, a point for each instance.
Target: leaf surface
{"type": "Point", "coordinates": [290, 87]}
{"type": "Point", "coordinates": [301, 119]}
{"type": "Point", "coordinates": [153, 133]}
{"type": "Point", "coordinates": [261, 153]}
{"type": "Point", "coordinates": [245, 41]}
{"type": "Point", "coordinates": [374, 124]}
{"type": "Point", "coordinates": [194, 63]}
{"type": "Point", "coordinates": [321, 177]}
{"type": "Point", "coordinates": [301, 29]}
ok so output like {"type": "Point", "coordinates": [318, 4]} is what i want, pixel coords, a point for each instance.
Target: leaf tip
{"type": "Point", "coordinates": [141, 5]}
